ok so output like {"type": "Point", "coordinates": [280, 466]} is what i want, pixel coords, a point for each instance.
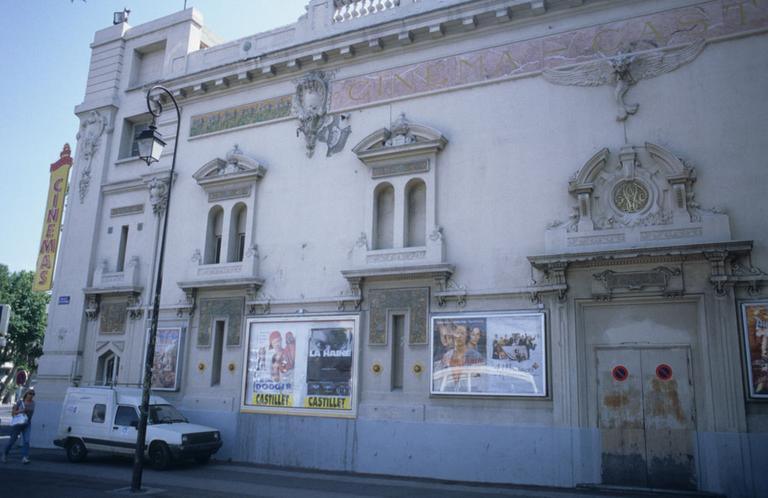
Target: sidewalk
{"type": "Point", "coordinates": [51, 475]}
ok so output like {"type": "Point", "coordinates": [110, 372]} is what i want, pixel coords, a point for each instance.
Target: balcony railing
{"type": "Point", "coordinates": [346, 10]}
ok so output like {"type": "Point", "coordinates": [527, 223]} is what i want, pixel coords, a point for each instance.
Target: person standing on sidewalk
{"type": "Point", "coordinates": [26, 406]}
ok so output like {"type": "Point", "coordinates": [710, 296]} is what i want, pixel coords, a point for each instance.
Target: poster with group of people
{"type": "Point", "coordinates": [165, 365]}
{"type": "Point", "coordinates": [489, 355]}
{"type": "Point", "coordinates": [301, 365]}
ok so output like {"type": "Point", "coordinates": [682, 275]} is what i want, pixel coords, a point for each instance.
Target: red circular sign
{"type": "Point", "coordinates": [21, 377]}
{"type": "Point", "coordinates": [620, 373]}
{"type": "Point", "coordinates": [664, 371]}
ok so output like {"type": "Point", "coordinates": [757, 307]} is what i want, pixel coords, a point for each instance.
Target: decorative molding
{"type": "Point", "coordinates": [388, 147]}
{"type": "Point", "coordinates": [126, 210]}
{"type": "Point", "coordinates": [642, 195]}
{"type": "Point", "coordinates": [311, 103]}
{"type": "Point", "coordinates": [158, 194]}
{"type": "Point", "coordinates": [668, 281]}
{"type": "Point", "coordinates": [396, 255]}
{"type": "Point", "coordinates": [233, 193]}
{"type": "Point", "coordinates": [730, 266]}
{"type": "Point", "coordinates": [92, 306]}
{"type": "Point", "coordinates": [230, 177]}
{"type": "Point", "coordinates": [234, 117]}
{"type": "Point", "coordinates": [625, 70]}
{"type": "Point", "coordinates": [688, 25]}
{"type": "Point", "coordinates": [89, 138]}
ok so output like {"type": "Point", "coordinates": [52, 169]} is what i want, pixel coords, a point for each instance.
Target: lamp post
{"type": "Point", "coordinates": [151, 145]}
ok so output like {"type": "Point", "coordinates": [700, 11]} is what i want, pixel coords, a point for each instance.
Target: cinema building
{"type": "Point", "coordinates": [494, 240]}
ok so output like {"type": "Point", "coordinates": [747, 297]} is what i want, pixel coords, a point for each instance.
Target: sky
{"type": "Point", "coordinates": [44, 57]}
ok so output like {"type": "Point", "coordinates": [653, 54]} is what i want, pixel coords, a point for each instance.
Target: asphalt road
{"type": "Point", "coordinates": [51, 476]}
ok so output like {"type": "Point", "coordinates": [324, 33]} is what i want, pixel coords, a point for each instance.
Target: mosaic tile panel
{"type": "Point", "coordinates": [230, 308]}
{"type": "Point", "coordinates": [417, 300]}
{"type": "Point", "coordinates": [113, 317]}
{"type": "Point", "coordinates": [255, 112]}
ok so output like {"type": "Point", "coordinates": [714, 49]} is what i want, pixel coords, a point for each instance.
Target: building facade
{"type": "Point", "coordinates": [492, 240]}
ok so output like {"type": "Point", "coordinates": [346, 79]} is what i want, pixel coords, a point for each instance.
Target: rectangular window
{"type": "Point", "coordinates": [126, 416]}
{"type": "Point", "coordinates": [99, 413]}
{"type": "Point", "coordinates": [129, 147]}
{"type": "Point", "coordinates": [217, 258]}
{"type": "Point", "coordinates": [240, 247]}
{"type": "Point", "coordinates": [398, 350]}
{"type": "Point", "coordinates": [121, 249]}
{"type": "Point", "coordinates": [219, 328]}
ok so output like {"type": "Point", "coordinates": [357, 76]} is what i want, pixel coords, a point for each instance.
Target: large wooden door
{"type": "Point", "coordinates": [646, 418]}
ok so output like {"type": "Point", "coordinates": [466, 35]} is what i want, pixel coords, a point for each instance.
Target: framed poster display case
{"type": "Point", "coordinates": [754, 325]}
{"type": "Point", "coordinates": [165, 368]}
{"type": "Point", "coordinates": [302, 366]}
{"type": "Point", "coordinates": [489, 354]}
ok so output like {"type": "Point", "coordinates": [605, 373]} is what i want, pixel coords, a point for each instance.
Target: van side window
{"type": "Point", "coordinates": [125, 415]}
{"type": "Point", "coordinates": [99, 413]}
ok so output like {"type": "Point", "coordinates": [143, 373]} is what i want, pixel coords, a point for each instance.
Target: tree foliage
{"type": "Point", "coordinates": [26, 328]}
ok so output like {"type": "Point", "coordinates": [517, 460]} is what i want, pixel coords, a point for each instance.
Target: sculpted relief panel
{"type": "Point", "coordinates": [642, 195]}
{"type": "Point", "coordinates": [630, 40]}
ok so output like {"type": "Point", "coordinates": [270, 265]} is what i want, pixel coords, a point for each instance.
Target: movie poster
{"type": "Point", "coordinates": [754, 317]}
{"type": "Point", "coordinates": [489, 355]}
{"type": "Point", "coordinates": [165, 367]}
{"type": "Point", "coordinates": [329, 368]}
{"type": "Point", "coordinates": [302, 365]}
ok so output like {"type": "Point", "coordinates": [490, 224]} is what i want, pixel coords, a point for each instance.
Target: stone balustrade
{"type": "Point", "coordinates": [347, 10]}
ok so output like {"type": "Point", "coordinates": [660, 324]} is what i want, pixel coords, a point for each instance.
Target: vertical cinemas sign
{"type": "Point", "coordinates": [54, 210]}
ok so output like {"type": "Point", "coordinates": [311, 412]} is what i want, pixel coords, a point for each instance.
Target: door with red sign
{"type": "Point", "coordinates": [645, 409]}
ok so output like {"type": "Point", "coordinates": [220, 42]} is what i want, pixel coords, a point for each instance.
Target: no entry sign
{"type": "Point", "coordinates": [664, 371]}
{"type": "Point", "coordinates": [620, 373]}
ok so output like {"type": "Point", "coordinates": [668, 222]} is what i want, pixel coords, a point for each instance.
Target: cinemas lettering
{"type": "Point", "coordinates": [54, 212]}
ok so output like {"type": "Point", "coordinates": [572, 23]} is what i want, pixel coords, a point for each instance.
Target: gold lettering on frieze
{"type": "Point", "coordinates": [553, 50]}
{"type": "Point", "coordinates": [474, 69]}
{"type": "Point", "coordinates": [691, 23]}
{"type": "Point", "coordinates": [363, 95]}
{"type": "Point", "coordinates": [739, 6]}
{"type": "Point", "coordinates": [506, 64]}
{"type": "Point", "coordinates": [649, 28]}
{"type": "Point", "coordinates": [431, 70]}
{"type": "Point", "coordinates": [598, 42]}
{"type": "Point", "coordinates": [405, 82]}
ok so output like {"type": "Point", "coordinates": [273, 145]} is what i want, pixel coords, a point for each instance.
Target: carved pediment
{"type": "Point", "coordinates": [403, 138]}
{"type": "Point", "coordinates": [641, 196]}
{"type": "Point", "coordinates": [236, 167]}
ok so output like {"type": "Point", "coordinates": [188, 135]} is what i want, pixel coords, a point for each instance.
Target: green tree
{"type": "Point", "coordinates": [26, 328]}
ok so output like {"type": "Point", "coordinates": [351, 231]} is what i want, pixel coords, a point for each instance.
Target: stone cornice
{"type": "Point", "coordinates": [358, 40]}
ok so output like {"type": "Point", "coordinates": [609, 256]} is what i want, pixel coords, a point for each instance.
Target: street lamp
{"type": "Point", "coordinates": [151, 145]}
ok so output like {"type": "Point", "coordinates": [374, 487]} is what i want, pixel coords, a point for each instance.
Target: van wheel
{"type": "Point", "coordinates": [76, 451]}
{"type": "Point", "coordinates": [159, 456]}
{"type": "Point", "coordinates": [202, 459]}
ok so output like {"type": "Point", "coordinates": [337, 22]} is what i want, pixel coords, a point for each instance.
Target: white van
{"type": "Point", "coordinates": [105, 419]}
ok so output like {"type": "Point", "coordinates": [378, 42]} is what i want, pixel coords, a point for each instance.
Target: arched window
{"type": "Point", "coordinates": [107, 369]}
{"type": "Point", "coordinates": [213, 235]}
{"type": "Point", "coordinates": [236, 246]}
{"type": "Point", "coordinates": [384, 217]}
{"type": "Point", "coordinates": [415, 213]}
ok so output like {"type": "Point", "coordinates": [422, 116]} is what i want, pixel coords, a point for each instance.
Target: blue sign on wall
{"type": "Point", "coordinates": [63, 299]}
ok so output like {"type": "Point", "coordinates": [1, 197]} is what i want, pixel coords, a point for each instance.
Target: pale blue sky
{"type": "Point", "coordinates": [44, 55]}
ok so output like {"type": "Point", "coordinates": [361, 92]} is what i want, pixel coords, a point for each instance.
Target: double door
{"type": "Point", "coordinates": [646, 418]}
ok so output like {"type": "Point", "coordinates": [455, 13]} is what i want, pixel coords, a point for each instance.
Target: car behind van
{"type": "Point", "coordinates": [105, 419]}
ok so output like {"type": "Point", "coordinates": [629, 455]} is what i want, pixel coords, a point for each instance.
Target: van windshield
{"type": "Point", "coordinates": [165, 414]}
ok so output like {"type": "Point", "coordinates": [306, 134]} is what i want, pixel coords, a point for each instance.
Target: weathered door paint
{"type": "Point", "coordinates": [646, 417]}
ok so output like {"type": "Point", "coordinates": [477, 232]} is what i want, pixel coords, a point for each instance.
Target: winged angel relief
{"type": "Point", "coordinates": [624, 71]}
